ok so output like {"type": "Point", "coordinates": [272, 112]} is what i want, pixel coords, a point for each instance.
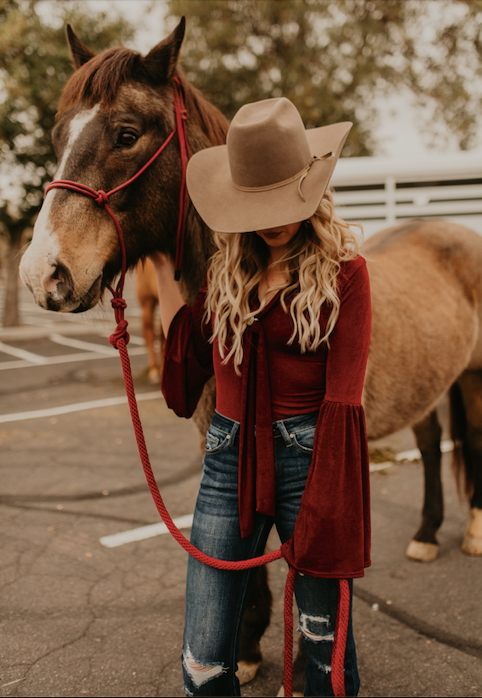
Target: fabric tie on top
{"type": "Point", "coordinates": [256, 479]}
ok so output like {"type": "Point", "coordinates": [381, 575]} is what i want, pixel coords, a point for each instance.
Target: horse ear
{"type": "Point", "coordinates": [79, 51]}
{"type": "Point", "coordinates": [160, 63]}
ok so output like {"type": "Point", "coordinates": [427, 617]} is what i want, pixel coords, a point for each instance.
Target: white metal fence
{"type": "Point", "coordinates": [379, 192]}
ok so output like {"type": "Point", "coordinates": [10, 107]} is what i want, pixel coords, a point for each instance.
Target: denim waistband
{"type": "Point", "coordinates": [281, 427]}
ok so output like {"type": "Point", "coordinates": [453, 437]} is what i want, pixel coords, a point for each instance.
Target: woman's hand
{"type": "Point", "coordinates": [170, 298]}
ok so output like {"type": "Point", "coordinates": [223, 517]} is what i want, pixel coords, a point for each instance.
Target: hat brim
{"type": "Point", "coordinates": [226, 209]}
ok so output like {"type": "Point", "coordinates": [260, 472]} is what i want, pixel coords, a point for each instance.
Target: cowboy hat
{"type": "Point", "coordinates": [271, 172]}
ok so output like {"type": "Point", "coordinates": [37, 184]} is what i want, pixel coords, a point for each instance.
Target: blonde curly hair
{"type": "Point", "coordinates": [311, 263]}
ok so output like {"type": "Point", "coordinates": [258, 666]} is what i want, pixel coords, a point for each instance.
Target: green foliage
{"type": "Point", "coordinates": [34, 66]}
{"type": "Point", "coordinates": [333, 58]}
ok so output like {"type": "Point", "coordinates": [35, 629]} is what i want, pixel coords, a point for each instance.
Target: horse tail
{"type": "Point", "coordinates": [462, 461]}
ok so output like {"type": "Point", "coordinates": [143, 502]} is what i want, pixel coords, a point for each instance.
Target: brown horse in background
{"type": "Point", "coordinates": [426, 285]}
{"type": "Point", "coordinates": [147, 295]}
{"type": "Point", "coordinates": [425, 276]}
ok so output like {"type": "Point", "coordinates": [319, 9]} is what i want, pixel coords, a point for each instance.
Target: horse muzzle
{"type": "Point", "coordinates": [52, 286]}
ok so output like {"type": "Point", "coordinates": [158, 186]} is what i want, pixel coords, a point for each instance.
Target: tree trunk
{"type": "Point", "coordinates": [11, 317]}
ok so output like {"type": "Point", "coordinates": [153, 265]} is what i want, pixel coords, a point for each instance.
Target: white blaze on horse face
{"type": "Point", "coordinates": [41, 257]}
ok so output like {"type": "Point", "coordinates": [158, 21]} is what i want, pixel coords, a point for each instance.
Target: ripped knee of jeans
{"type": "Point", "coordinates": [325, 668]}
{"type": "Point", "coordinates": [201, 672]}
{"type": "Point", "coordinates": [316, 628]}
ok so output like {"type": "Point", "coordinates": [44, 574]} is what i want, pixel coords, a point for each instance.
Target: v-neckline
{"type": "Point", "coordinates": [256, 305]}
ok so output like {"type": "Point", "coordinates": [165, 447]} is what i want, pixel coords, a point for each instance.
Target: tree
{"type": "Point", "coordinates": [34, 66]}
{"type": "Point", "coordinates": [332, 59]}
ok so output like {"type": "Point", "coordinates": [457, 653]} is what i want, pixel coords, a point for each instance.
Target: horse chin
{"type": "Point", "coordinates": [91, 298]}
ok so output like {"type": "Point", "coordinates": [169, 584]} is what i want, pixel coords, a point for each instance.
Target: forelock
{"type": "Point", "coordinates": [99, 80]}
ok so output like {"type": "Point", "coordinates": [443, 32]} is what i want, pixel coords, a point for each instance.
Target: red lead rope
{"type": "Point", "coordinates": [120, 338]}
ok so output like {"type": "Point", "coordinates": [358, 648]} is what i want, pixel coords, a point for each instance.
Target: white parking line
{"type": "Point", "coordinates": [157, 529]}
{"type": "Point", "coordinates": [380, 466]}
{"type": "Point", "coordinates": [445, 447]}
{"type": "Point", "coordinates": [414, 454]}
{"type": "Point", "coordinates": [77, 407]}
{"type": "Point", "coordinates": [80, 344]}
{"type": "Point", "coordinates": [134, 339]}
{"type": "Point", "coordinates": [66, 358]}
{"type": "Point", "coordinates": [22, 354]}
{"type": "Point", "coordinates": [5, 365]}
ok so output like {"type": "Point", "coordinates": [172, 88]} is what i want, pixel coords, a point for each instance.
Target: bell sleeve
{"type": "Point", "coordinates": [331, 537]}
{"type": "Point", "coordinates": [188, 358]}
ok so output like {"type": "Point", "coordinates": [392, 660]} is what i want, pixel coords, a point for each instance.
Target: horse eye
{"type": "Point", "coordinates": [127, 138]}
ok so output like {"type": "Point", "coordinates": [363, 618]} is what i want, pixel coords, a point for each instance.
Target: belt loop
{"type": "Point", "coordinates": [232, 435]}
{"type": "Point", "coordinates": [284, 433]}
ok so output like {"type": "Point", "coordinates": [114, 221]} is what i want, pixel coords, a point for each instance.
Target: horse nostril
{"type": "Point", "coordinates": [60, 285]}
{"type": "Point", "coordinates": [58, 274]}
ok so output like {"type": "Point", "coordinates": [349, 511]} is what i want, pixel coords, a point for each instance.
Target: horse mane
{"type": "Point", "coordinates": [213, 122]}
{"type": "Point", "coordinates": [100, 78]}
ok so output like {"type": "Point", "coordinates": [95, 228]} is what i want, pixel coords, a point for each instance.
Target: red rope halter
{"type": "Point", "coordinates": [120, 338]}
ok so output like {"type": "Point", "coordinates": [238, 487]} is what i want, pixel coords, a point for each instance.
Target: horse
{"type": "Point", "coordinates": [425, 276]}
{"type": "Point", "coordinates": [147, 295]}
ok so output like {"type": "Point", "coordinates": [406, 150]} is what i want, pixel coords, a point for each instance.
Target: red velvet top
{"type": "Point", "coordinates": [332, 532]}
{"type": "Point", "coordinates": [296, 380]}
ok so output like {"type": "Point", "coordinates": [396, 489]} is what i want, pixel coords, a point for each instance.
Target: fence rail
{"type": "Point", "coordinates": [380, 192]}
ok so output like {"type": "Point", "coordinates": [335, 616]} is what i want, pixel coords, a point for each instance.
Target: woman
{"type": "Point", "coordinates": [283, 322]}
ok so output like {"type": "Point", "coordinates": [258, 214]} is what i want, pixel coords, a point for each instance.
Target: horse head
{"type": "Point", "coordinates": [114, 114]}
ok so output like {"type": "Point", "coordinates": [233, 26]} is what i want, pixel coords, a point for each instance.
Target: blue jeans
{"type": "Point", "coordinates": [215, 599]}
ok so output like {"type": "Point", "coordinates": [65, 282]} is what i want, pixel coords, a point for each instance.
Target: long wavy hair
{"type": "Point", "coordinates": [311, 263]}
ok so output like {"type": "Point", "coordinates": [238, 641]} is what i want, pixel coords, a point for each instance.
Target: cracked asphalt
{"type": "Point", "coordinates": [77, 618]}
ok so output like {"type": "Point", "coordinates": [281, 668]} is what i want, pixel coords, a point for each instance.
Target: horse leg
{"type": "Point", "coordinates": [468, 454]}
{"type": "Point", "coordinates": [424, 546]}
{"type": "Point", "coordinates": [299, 673]}
{"type": "Point", "coordinates": [257, 616]}
{"type": "Point", "coordinates": [148, 312]}
{"type": "Point", "coordinates": [256, 619]}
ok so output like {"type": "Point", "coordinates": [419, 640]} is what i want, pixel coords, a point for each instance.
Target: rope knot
{"type": "Point", "coordinates": [101, 199]}
{"type": "Point", "coordinates": [118, 303]}
{"type": "Point", "coordinates": [120, 332]}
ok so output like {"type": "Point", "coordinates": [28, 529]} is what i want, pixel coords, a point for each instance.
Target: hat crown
{"type": "Point", "coordinates": [267, 143]}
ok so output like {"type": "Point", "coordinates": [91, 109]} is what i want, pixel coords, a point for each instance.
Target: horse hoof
{"type": "Point", "coordinates": [422, 552]}
{"type": "Point", "coordinates": [472, 544]}
{"type": "Point", "coordinates": [281, 693]}
{"type": "Point", "coordinates": [247, 671]}
{"type": "Point", "coordinates": [154, 377]}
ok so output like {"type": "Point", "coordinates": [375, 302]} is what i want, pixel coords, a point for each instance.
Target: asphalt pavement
{"type": "Point", "coordinates": [80, 618]}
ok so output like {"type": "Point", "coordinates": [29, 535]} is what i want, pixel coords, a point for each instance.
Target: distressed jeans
{"type": "Point", "coordinates": [215, 599]}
